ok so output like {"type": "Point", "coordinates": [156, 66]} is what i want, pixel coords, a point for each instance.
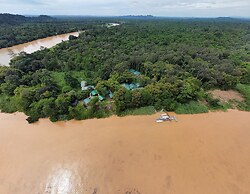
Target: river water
{"type": "Point", "coordinates": [204, 153]}
{"type": "Point", "coordinates": [7, 53]}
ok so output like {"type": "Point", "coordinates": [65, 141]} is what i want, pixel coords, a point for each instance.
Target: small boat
{"type": "Point", "coordinates": [159, 120]}
{"type": "Point", "coordinates": [165, 117]}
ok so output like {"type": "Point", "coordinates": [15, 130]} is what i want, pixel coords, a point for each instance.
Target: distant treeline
{"type": "Point", "coordinates": [18, 29]}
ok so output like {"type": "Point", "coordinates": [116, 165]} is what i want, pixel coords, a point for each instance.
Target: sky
{"type": "Point", "coordinates": [170, 8]}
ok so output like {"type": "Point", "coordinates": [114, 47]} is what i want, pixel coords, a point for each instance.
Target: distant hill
{"type": "Point", "coordinates": [232, 19]}
{"type": "Point", "coordinates": [6, 18]}
{"type": "Point", "coordinates": [138, 17]}
{"type": "Point", "coordinates": [43, 18]}
{"type": "Point", "coordinates": [227, 19]}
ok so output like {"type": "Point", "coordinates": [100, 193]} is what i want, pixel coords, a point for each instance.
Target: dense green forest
{"type": "Point", "coordinates": [162, 63]}
{"type": "Point", "coordinates": [17, 29]}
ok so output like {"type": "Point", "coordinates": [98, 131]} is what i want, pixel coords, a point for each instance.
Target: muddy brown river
{"type": "Point", "coordinates": [6, 54]}
{"type": "Point", "coordinates": [199, 154]}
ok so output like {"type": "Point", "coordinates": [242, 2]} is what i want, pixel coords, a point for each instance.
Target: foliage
{"type": "Point", "coordinates": [191, 108]}
{"type": "Point", "coordinates": [148, 110]}
{"type": "Point", "coordinates": [245, 91]}
{"type": "Point", "coordinates": [178, 61]}
{"type": "Point", "coordinates": [17, 29]}
{"type": "Point", "coordinates": [8, 104]}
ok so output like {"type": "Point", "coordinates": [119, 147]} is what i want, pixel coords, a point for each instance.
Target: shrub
{"type": "Point", "coordinates": [32, 119]}
{"type": "Point", "coordinates": [147, 110]}
{"type": "Point", "coordinates": [245, 91]}
{"type": "Point", "coordinates": [8, 104]}
{"type": "Point", "coordinates": [191, 108]}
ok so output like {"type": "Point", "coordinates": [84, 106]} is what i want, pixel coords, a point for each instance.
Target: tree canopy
{"type": "Point", "coordinates": [178, 60]}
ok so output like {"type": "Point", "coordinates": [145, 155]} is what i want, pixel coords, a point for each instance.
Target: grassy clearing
{"type": "Point", "coordinates": [191, 108]}
{"type": "Point", "coordinates": [245, 91]}
{"type": "Point", "coordinates": [147, 110]}
{"type": "Point", "coordinates": [58, 77]}
{"type": "Point", "coordinates": [79, 75]}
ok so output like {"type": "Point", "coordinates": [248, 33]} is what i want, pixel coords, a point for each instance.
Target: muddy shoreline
{"type": "Point", "coordinates": [203, 153]}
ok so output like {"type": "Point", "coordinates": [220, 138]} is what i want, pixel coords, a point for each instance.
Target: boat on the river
{"type": "Point", "coordinates": [166, 117]}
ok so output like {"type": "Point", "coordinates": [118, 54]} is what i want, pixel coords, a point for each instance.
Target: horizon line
{"type": "Point", "coordinates": [131, 15]}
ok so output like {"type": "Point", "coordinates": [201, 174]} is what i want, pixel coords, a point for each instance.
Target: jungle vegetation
{"type": "Point", "coordinates": [18, 29]}
{"type": "Point", "coordinates": [179, 61]}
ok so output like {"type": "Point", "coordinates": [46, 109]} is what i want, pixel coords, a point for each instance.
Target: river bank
{"type": "Point", "coordinates": [203, 153]}
{"type": "Point", "coordinates": [6, 54]}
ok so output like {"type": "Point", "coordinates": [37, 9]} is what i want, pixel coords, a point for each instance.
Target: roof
{"type": "Point", "coordinates": [110, 95]}
{"type": "Point", "coordinates": [100, 97]}
{"type": "Point", "coordinates": [94, 93]}
{"type": "Point", "coordinates": [126, 86]}
{"type": "Point", "coordinates": [83, 83]}
{"type": "Point", "coordinates": [88, 87]}
{"type": "Point", "coordinates": [85, 88]}
{"type": "Point", "coordinates": [137, 73]}
{"type": "Point", "coordinates": [107, 92]}
{"type": "Point", "coordinates": [131, 86]}
{"type": "Point", "coordinates": [86, 100]}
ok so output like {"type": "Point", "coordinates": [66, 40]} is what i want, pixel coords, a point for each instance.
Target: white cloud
{"type": "Point", "coordinates": [203, 8]}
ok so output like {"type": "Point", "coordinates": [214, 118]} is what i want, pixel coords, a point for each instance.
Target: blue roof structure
{"type": "Point", "coordinates": [106, 92]}
{"type": "Point", "coordinates": [94, 93]}
{"type": "Point", "coordinates": [131, 86]}
{"type": "Point", "coordinates": [86, 100]}
{"type": "Point", "coordinates": [126, 86]}
{"type": "Point", "coordinates": [137, 73]}
{"type": "Point", "coordinates": [101, 98]}
{"type": "Point", "coordinates": [111, 95]}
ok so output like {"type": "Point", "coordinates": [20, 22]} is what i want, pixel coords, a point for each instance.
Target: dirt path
{"type": "Point", "coordinates": [225, 96]}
